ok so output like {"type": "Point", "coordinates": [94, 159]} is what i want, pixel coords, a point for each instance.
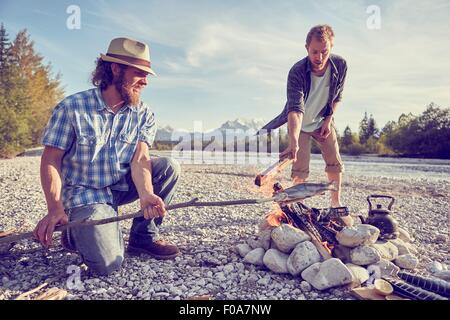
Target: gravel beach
{"type": "Point", "coordinates": [207, 236]}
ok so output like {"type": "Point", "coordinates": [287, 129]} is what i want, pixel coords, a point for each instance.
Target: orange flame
{"type": "Point", "coordinates": [274, 219]}
{"type": "Point", "coordinates": [327, 246]}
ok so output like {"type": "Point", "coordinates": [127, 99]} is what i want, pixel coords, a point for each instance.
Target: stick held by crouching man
{"type": "Point", "coordinates": [96, 158]}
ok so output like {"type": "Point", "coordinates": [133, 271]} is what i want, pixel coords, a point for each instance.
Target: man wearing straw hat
{"type": "Point", "coordinates": [96, 158]}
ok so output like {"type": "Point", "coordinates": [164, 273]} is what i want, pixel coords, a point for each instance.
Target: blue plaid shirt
{"type": "Point", "coordinates": [99, 145]}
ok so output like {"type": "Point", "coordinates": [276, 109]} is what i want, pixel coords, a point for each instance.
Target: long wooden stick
{"type": "Point", "coordinates": [83, 223]}
{"type": "Point", "coordinates": [25, 295]}
{"type": "Point", "coordinates": [272, 170]}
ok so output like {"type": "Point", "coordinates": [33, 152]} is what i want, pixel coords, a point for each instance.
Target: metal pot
{"type": "Point", "coordinates": [382, 218]}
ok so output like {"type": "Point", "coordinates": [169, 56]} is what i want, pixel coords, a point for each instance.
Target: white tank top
{"type": "Point", "coordinates": [317, 99]}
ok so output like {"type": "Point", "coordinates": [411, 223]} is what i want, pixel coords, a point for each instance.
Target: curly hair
{"type": "Point", "coordinates": [103, 76]}
{"type": "Point", "coordinates": [320, 32]}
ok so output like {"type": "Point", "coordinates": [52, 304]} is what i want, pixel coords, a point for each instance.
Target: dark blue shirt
{"type": "Point", "coordinates": [299, 84]}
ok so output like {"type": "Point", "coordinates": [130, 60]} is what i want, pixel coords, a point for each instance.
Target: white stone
{"type": "Point", "coordinates": [255, 257]}
{"type": "Point", "coordinates": [228, 268]}
{"type": "Point", "coordinates": [434, 267]}
{"type": "Point", "coordinates": [253, 242]}
{"type": "Point", "coordinates": [276, 261]}
{"type": "Point", "coordinates": [273, 245]}
{"type": "Point", "coordinates": [310, 273]}
{"type": "Point", "coordinates": [404, 235]}
{"type": "Point", "coordinates": [364, 255]}
{"type": "Point", "coordinates": [342, 253]}
{"type": "Point", "coordinates": [407, 261]}
{"type": "Point", "coordinates": [305, 286]}
{"type": "Point", "coordinates": [328, 274]}
{"type": "Point", "coordinates": [287, 237]}
{"type": "Point", "coordinates": [384, 268]}
{"type": "Point", "coordinates": [304, 255]}
{"type": "Point", "coordinates": [264, 238]}
{"type": "Point", "coordinates": [243, 249]}
{"type": "Point", "coordinates": [357, 235]}
{"type": "Point", "coordinates": [386, 249]}
{"type": "Point", "coordinates": [264, 281]}
{"type": "Point", "coordinates": [360, 274]}
{"type": "Point", "coordinates": [101, 291]}
{"type": "Point", "coordinates": [220, 276]}
{"type": "Point", "coordinates": [412, 249]}
{"type": "Point", "coordinates": [402, 246]}
{"type": "Point", "coordinates": [201, 282]}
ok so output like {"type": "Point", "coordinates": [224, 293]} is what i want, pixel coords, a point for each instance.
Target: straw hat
{"type": "Point", "coordinates": [129, 52]}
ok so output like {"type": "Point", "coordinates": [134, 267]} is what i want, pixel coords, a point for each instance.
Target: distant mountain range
{"type": "Point", "coordinates": [240, 128]}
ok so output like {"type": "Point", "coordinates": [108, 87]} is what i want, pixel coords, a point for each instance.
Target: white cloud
{"type": "Point", "coordinates": [240, 54]}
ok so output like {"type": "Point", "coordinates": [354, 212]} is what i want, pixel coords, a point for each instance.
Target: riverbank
{"type": "Point", "coordinates": [207, 236]}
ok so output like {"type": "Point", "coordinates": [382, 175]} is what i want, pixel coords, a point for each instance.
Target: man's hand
{"type": "Point", "coordinates": [152, 206]}
{"type": "Point", "coordinates": [325, 130]}
{"type": "Point", "coordinates": [45, 228]}
{"type": "Point", "coordinates": [291, 151]}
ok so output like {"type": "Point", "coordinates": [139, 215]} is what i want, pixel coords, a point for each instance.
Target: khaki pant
{"type": "Point", "coordinates": [330, 153]}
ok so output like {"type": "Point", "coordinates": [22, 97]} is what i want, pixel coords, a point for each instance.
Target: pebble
{"type": "Point", "coordinates": [305, 286]}
{"type": "Point", "coordinates": [264, 281]}
{"type": "Point", "coordinates": [441, 238]}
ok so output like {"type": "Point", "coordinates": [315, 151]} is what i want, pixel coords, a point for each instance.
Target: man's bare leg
{"type": "Point", "coordinates": [297, 180]}
{"type": "Point", "coordinates": [336, 177]}
{"type": "Point", "coordinates": [335, 195]}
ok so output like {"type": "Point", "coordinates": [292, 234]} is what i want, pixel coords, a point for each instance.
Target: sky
{"type": "Point", "coordinates": [222, 60]}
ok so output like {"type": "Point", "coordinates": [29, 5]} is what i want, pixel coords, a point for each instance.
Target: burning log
{"type": "Point", "coordinates": [320, 225]}
{"type": "Point", "coordinates": [271, 171]}
{"type": "Point", "coordinates": [296, 214]}
{"type": "Point", "coordinates": [301, 222]}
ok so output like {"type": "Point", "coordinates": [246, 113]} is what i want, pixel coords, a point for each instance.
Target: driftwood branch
{"type": "Point", "coordinates": [83, 223]}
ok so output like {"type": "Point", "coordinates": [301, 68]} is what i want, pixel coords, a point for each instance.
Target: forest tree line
{"type": "Point", "coordinates": [28, 93]}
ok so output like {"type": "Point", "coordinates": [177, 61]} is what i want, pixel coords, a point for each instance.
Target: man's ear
{"type": "Point", "coordinates": [306, 46]}
{"type": "Point", "coordinates": [115, 68]}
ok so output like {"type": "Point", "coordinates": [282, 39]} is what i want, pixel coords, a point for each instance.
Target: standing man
{"type": "Point", "coordinates": [96, 158]}
{"type": "Point", "coordinates": [314, 89]}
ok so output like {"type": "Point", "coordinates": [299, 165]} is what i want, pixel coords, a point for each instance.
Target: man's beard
{"type": "Point", "coordinates": [125, 90]}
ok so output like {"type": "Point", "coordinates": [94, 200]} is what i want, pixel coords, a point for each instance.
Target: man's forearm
{"type": "Point", "coordinates": [294, 125]}
{"type": "Point", "coordinates": [142, 175]}
{"type": "Point", "coordinates": [51, 183]}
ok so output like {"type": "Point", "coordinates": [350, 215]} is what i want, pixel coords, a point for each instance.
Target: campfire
{"type": "Point", "coordinates": [321, 225]}
{"type": "Point", "coordinates": [317, 245]}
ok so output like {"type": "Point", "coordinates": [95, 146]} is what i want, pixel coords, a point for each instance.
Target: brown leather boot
{"type": "Point", "coordinates": [159, 249]}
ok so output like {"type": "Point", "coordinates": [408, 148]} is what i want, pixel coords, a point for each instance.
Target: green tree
{"type": "Point", "coordinates": [363, 125]}
{"type": "Point", "coordinates": [372, 130]}
{"type": "Point", "coordinates": [425, 135]}
{"type": "Point", "coordinates": [5, 46]}
{"type": "Point", "coordinates": [28, 93]}
{"type": "Point", "coordinates": [367, 128]}
{"type": "Point", "coordinates": [43, 89]}
{"type": "Point", "coordinates": [347, 137]}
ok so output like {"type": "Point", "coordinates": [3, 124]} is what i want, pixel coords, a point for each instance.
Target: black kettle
{"type": "Point", "coordinates": [382, 218]}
